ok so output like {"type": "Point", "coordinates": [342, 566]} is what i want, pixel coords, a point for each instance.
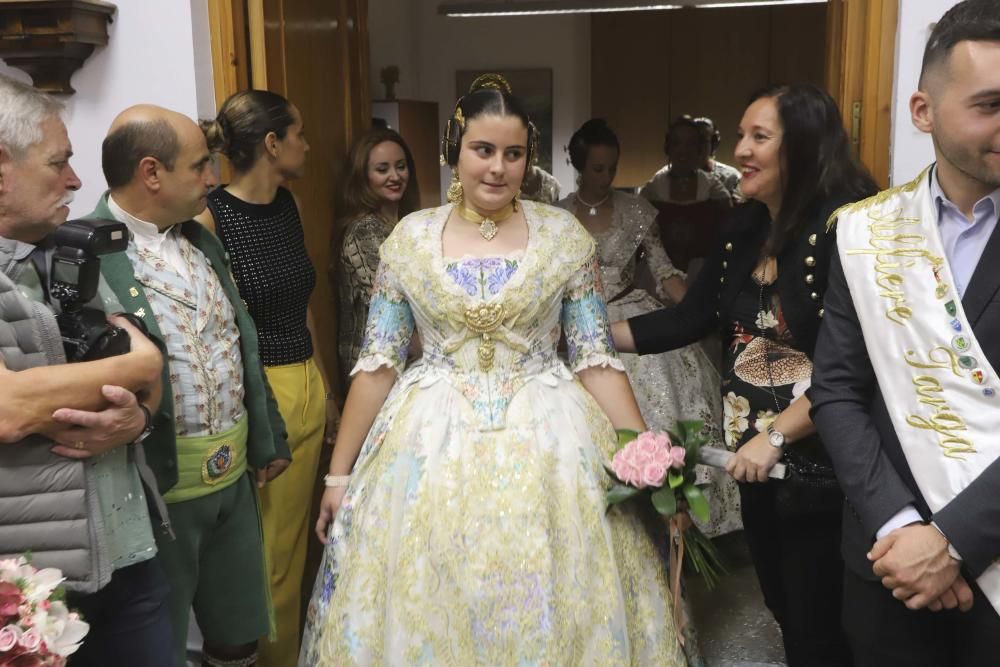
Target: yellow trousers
{"type": "Point", "coordinates": [285, 503]}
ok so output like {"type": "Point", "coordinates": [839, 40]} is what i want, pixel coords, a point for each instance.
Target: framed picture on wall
{"type": "Point", "coordinates": [534, 88]}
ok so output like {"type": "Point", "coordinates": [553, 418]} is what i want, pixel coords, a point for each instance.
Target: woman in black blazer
{"type": "Point", "coordinates": [762, 288]}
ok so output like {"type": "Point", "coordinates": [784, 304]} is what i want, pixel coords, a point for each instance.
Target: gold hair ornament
{"type": "Point", "coordinates": [494, 81]}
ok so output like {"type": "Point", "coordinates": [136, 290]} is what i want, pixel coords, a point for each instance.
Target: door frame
{"type": "Point", "coordinates": [860, 70]}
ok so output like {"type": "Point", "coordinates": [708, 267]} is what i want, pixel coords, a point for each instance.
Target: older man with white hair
{"type": "Point", "coordinates": [71, 482]}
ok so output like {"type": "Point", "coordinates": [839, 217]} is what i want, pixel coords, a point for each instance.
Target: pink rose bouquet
{"type": "Point", "coordinates": [36, 627]}
{"type": "Point", "coordinates": [660, 466]}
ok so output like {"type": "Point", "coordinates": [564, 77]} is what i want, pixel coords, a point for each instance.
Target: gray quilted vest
{"type": "Point", "coordinates": [48, 505]}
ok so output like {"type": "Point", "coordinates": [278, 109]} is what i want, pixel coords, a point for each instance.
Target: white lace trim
{"type": "Point", "coordinates": [665, 273]}
{"type": "Point", "coordinates": [372, 362]}
{"type": "Point", "coordinates": [598, 359]}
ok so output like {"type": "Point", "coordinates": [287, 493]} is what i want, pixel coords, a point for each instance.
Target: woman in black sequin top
{"type": "Point", "coordinates": [379, 188]}
{"type": "Point", "coordinates": [257, 220]}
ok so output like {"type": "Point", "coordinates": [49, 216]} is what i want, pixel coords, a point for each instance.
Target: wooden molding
{"type": "Point", "coordinates": [50, 39]}
{"type": "Point", "coordinates": [258, 47]}
{"type": "Point", "coordinates": [861, 45]}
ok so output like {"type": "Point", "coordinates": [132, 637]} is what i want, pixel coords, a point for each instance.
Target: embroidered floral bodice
{"type": "Point", "coordinates": [509, 309]}
{"type": "Point", "coordinates": [633, 231]}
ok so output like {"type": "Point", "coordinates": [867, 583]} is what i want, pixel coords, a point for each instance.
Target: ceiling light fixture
{"type": "Point", "coordinates": [484, 9]}
{"type": "Point", "coordinates": [756, 3]}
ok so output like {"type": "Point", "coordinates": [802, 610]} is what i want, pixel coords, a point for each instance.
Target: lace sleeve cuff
{"type": "Point", "coordinates": [596, 359]}
{"type": "Point", "coordinates": [373, 362]}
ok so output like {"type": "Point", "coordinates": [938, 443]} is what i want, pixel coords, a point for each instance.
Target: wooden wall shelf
{"type": "Point", "coordinates": [50, 39]}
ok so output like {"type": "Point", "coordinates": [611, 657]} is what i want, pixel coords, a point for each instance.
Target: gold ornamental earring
{"type": "Point", "coordinates": [455, 192]}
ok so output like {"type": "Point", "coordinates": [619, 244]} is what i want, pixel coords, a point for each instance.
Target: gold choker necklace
{"type": "Point", "coordinates": [487, 224]}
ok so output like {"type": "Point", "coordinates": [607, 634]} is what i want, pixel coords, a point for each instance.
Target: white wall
{"type": "Point", "coordinates": [430, 48]}
{"type": "Point", "coordinates": [911, 149]}
{"type": "Point", "coordinates": [158, 53]}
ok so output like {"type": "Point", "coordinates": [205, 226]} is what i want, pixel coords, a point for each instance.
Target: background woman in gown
{"type": "Point", "coordinates": [257, 220]}
{"type": "Point", "coordinates": [681, 180]}
{"type": "Point", "coordinates": [380, 187]}
{"type": "Point", "coordinates": [681, 384]}
{"type": "Point", "coordinates": [763, 287]}
{"type": "Point", "coordinates": [467, 493]}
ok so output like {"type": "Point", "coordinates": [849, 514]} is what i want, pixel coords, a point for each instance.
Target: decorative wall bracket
{"type": "Point", "coordinates": [50, 39]}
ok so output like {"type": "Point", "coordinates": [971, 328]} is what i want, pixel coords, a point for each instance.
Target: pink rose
{"type": "Point", "coordinates": [653, 475]}
{"type": "Point", "coordinates": [620, 465]}
{"type": "Point", "coordinates": [625, 467]}
{"type": "Point", "coordinates": [30, 640]}
{"type": "Point", "coordinates": [635, 477]}
{"type": "Point", "coordinates": [8, 637]}
{"type": "Point", "coordinates": [646, 442]}
{"type": "Point", "coordinates": [642, 458]}
{"type": "Point", "coordinates": [628, 454]}
{"type": "Point", "coordinates": [662, 457]}
{"type": "Point", "coordinates": [10, 599]}
{"type": "Point", "coordinates": [677, 455]}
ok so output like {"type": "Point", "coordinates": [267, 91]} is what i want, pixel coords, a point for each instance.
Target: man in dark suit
{"type": "Point", "coordinates": [910, 592]}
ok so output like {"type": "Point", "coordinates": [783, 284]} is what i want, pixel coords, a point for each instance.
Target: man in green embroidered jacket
{"type": "Point", "coordinates": [218, 429]}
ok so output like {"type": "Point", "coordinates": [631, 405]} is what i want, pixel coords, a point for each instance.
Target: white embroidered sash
{"type": "Point", "coordinates": [939, 388]}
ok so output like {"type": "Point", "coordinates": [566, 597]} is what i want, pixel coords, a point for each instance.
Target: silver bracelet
{"type": "Point", "coordinates": [335, 481]}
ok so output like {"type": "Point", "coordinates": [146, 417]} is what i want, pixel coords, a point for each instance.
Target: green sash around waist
{"type": "Point", "coordinates": [209, 463]}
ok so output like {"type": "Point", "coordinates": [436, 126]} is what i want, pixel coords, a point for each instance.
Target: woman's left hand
{"type": "Point", "coordinates": [754, 460]}
{"type": "Point", "coordinates": [332, 422]}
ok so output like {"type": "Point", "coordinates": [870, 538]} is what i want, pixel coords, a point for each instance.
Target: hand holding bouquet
{"type": "Point", "coordinates": [36, 628]}
{"type": "Point", "coordinates": [660, 466]}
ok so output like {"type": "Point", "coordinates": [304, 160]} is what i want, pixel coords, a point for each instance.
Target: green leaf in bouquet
{"type": "Point", "coordinates": [665, 501]}
{"type": "Point", "coordinates": [619, 493]}
{"type": "Point", "coordinates": [625, 436]}
{"type": "Point", "coordinates": [696, 502]}
{"type": "Point", "coordinates": [690, 428]}
{"type": "Point", "coordinates": [675, 439]}
{"type": "Point", "coordinates": [675, 478]}
{"type": "Point", "coordinates": [702, 556]}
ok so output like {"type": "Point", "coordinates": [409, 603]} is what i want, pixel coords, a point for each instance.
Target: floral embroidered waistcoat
{"type": "Point", "coordinates": [198, 325]}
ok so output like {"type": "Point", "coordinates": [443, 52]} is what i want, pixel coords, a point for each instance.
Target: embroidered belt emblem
{"type": "Point", "coordinates": [217, 464]}
{"type": "Point", "coordinates": [484, 320]}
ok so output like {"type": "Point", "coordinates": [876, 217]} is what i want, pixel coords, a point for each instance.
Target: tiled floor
{"type": "Point", "coordinates": [734, 627]}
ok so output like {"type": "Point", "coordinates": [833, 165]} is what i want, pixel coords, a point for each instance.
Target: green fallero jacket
{"type": "Point", "coordinates": [268, 439]}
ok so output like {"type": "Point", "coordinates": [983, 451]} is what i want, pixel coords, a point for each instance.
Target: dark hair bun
{"type": "Point", "coordinates": [595, 132]}
{"type": "Point", "coordinates": [215, 135]}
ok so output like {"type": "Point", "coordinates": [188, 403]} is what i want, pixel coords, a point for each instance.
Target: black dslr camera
{"type": "Point", "coordinates": [73, 279]}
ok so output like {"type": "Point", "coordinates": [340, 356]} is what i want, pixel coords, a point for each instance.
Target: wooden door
{"type": "Point", "coordinates": [315, 53]}
{"type": "Point", "coordinates": [860, 64]}
{"type": "Point", "coordinates": [649, 67]}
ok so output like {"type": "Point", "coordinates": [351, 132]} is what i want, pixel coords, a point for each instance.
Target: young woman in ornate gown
{"type": "Point", "coordinates": [466, 519]}
{"type": "Point", "coordinates": [681, 384]}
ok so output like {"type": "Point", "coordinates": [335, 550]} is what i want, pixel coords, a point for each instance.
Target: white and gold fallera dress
{"type": "Point", "coordinates": [474, 530]}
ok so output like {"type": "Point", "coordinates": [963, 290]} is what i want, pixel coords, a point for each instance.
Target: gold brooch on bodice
{"type": "Point", "coordinates": [484, 320]}
{"type": "Point", "coordinates": [487, 224]}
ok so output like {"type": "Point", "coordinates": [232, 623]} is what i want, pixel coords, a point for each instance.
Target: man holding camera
{"type": "Point", "coordinates": [218, 430]}
{"type": "Point", "coordinates": [71, 491]}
